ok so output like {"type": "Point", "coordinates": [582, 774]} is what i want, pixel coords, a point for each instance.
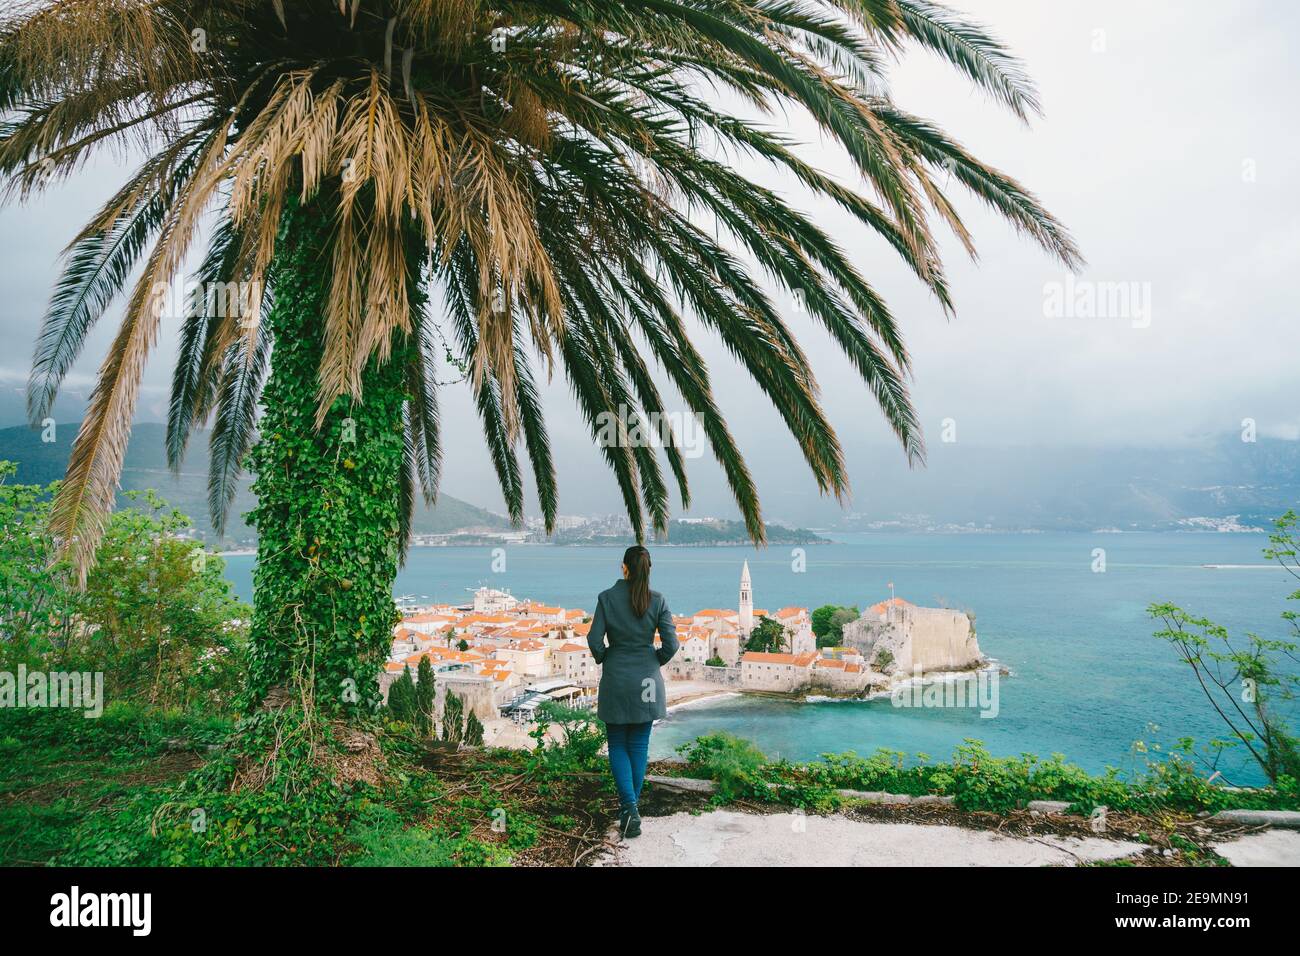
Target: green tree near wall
{"type": "Point", "coordinates": [453, 718]}
{"type": "Point", "coordinates": [425, 694]}
{"type": "Point", "coordinates": [473, 730]}
{"type": "Point", "coordinates": [768, 636]}
{"type": "Point", "coordinates": [828, 623]}
{"type": "Point", "coordinates": [401, 697]}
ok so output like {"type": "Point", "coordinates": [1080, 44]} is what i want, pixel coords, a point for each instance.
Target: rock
{"type": "Point", "coordinates": [356, 741]}
{"type": "Point", "coordinates": [1049, 806]}
{"type": "Point", "coordinates": [875, 796]}
{"type": "Point", "coordinates": [933, 799]}
{"type": "Point", "coordinates": [682, 783]}
{"type": "Point", "coordinates": [277, 698]}
{"type": "Point", "coordinates": [1289, 819]}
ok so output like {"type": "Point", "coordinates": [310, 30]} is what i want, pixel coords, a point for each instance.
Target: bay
{"type": "Point", "coordinates": [1087, 677]}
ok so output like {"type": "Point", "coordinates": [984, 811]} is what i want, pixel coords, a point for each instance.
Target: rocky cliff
{"type": "Point", "coordinates": [908, 637]}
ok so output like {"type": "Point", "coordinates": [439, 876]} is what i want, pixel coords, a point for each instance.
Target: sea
{"type": "Point", "coordinates": [1065, 614]}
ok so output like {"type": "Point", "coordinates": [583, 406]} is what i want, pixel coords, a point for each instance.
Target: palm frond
{"type": "Point", "coordinates": [234, 425]}
{"type": "Point", "coordinates": [99, 263]}
{"type": "Point", "coordinates": [561, 172]}
{"type": "Point", "coordinates": [198, 368]}
{"type": "Point", "coordinates": [972, 50]}
{"type": "Point", "coordinates": [423, 416]}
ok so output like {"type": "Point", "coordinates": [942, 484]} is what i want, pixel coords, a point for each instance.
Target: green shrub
{"type": "Point", "coordinates": [733, 763]}
{"type": "Point", "coordinates": [975, 778]}
{"type": "Point", "coordinates": [156, 615]}
{"type": "Point", "coordinates": [383, 839]}
{"type": "Point", "coordinates": [578, 749]}
{"type": "Point", "coordinates": [885, 770]}
{"type": "Point", "coordinates": [979, 781]}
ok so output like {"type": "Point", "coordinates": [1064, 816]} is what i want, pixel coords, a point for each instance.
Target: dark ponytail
{"type": "Point", "coordinates": [637, 560]}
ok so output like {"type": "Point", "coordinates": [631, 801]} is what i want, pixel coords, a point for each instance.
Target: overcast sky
{"type": "Point", "coordinates": [1166, 148]}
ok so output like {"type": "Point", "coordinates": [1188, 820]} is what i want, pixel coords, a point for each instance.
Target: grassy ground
{"type": "Point", "coordinates": [135, 787]}
{"type": "Point", "coordinates": [58, 768]}
{"type": "Point", "coordinates": [139, 787]}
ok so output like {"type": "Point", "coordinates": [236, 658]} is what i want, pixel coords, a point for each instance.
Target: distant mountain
{"type": "Point", "coordinates": [1220, 482]}
{"type": "Point", "coordinates": [1082, 489]}
{"type": "Point", "coordinates": [41, 462]}
{"type": "Point", "coordinates": [711, 533]}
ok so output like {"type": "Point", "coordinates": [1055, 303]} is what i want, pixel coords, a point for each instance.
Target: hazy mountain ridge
{"type": "Point", "coordinates": [1084, 489]}
{"type": "Point", "coordinates": [41, 462]}
{"type": "Point", "coordinates": [1222, 482]}
{"type": "Point", "coordinates": [713, 532]}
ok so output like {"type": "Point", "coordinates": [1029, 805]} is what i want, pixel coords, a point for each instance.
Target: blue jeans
{"type": "Point", "coordinates": [629, 745]}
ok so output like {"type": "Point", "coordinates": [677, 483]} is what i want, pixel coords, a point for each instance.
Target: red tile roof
{"type": "Point", "coordinates": [896, 602]}
{"type": "Point", "coordinates": [759, 657]}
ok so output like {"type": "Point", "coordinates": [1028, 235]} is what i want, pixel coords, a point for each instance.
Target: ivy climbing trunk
{"type": "Point", "coordinates": [328, 499]}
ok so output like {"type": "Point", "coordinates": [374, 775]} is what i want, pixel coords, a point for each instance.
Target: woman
{"type": "Point", "coordinates": [631, 687]}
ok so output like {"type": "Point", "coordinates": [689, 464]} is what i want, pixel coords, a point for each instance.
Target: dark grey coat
{"type": "Point", "coordinates": [631, 687]}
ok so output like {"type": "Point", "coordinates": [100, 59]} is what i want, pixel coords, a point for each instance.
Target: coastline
{"type": "Point", "coordinates": [486, 542]}
{"type": "Point", "coordinates": [702, 699]}
{"type": "Point", "coordinates": [687, 693]}
{"type": "Point", "coordinates": [692, 692]}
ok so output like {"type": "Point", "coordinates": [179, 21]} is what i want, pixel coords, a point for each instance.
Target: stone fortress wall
{"type": "Point", "coordinates": [931, 638]}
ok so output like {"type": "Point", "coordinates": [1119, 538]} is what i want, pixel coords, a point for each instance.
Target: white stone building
{"type": "Point", "coordinates": [897, 635]}
{"type": "Point", "coordinates": [493, 601]}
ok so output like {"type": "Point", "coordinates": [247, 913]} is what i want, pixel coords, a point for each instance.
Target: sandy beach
{"type": "Point", "coordinates": [684, 692]}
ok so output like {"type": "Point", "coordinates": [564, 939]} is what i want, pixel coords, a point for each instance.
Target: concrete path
{"type": "Point", "coordinates": [1270, 848]}
{"type": "Point", "coordinates": [727, 838]}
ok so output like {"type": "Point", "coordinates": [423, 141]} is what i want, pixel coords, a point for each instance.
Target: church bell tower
{"type": "Point", "coordinates": [746, 602]}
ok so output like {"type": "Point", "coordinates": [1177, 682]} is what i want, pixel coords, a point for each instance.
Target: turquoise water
{"type": "Point", "coordinates": [1088, 679]}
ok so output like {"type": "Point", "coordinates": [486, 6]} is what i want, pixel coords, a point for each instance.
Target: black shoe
{"type": "Point", "coordinates": [629, 823]}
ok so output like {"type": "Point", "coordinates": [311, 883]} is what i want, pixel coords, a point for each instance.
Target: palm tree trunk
{"type": "Point", "coordinates": [328, 508]}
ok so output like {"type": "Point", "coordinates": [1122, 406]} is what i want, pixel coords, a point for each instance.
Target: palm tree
{"type": "Point", "coordinates": [390, 188]}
